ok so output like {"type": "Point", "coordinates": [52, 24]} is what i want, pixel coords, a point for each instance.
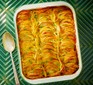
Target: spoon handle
{"type": "Point", "coordinates": [14, 70]}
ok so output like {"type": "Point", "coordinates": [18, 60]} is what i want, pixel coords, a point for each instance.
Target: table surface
{"type": "Point", "coordinates": [84, 13]}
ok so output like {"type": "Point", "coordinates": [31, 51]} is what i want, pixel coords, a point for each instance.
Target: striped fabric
{"type": "Point", "coordinates": [84, 12]}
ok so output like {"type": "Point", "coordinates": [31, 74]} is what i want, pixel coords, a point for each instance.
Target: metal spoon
{"type": "Point", "coordinates": [9, 45]}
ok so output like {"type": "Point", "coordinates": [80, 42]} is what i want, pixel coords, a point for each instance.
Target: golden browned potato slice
{"type": "Point", "coordinates": [34, 71]}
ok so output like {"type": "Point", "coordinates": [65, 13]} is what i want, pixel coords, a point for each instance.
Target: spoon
{"type": "Point", "coordinates": [9, 45]}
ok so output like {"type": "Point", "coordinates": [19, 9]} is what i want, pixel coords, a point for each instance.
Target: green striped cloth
{"type": "Point", "coordinates": [84, 12]}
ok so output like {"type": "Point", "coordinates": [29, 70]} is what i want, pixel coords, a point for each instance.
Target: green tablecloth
{"type": "Point", "coordinates": [84, 12]}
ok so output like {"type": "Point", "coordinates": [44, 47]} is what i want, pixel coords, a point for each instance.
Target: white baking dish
{"type": "Point", "coordinates": [57, 78]}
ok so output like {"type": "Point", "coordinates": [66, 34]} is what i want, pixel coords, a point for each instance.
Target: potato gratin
{"type": "Point", "coordinates": [47, 42]}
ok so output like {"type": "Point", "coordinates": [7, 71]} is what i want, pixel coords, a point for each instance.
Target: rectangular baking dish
{"type": "Point", "coordinates": [57, 78]}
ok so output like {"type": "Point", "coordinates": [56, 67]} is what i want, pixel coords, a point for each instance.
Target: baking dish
{"type": "Point", "coordinates": [57, 78]}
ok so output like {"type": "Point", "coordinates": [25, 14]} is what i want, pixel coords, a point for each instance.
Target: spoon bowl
{"type": "Point", "coordinates": [8, 42]}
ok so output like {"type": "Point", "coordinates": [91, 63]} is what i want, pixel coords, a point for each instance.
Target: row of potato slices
{"type": "Point", "coordinates": [47, 43]}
